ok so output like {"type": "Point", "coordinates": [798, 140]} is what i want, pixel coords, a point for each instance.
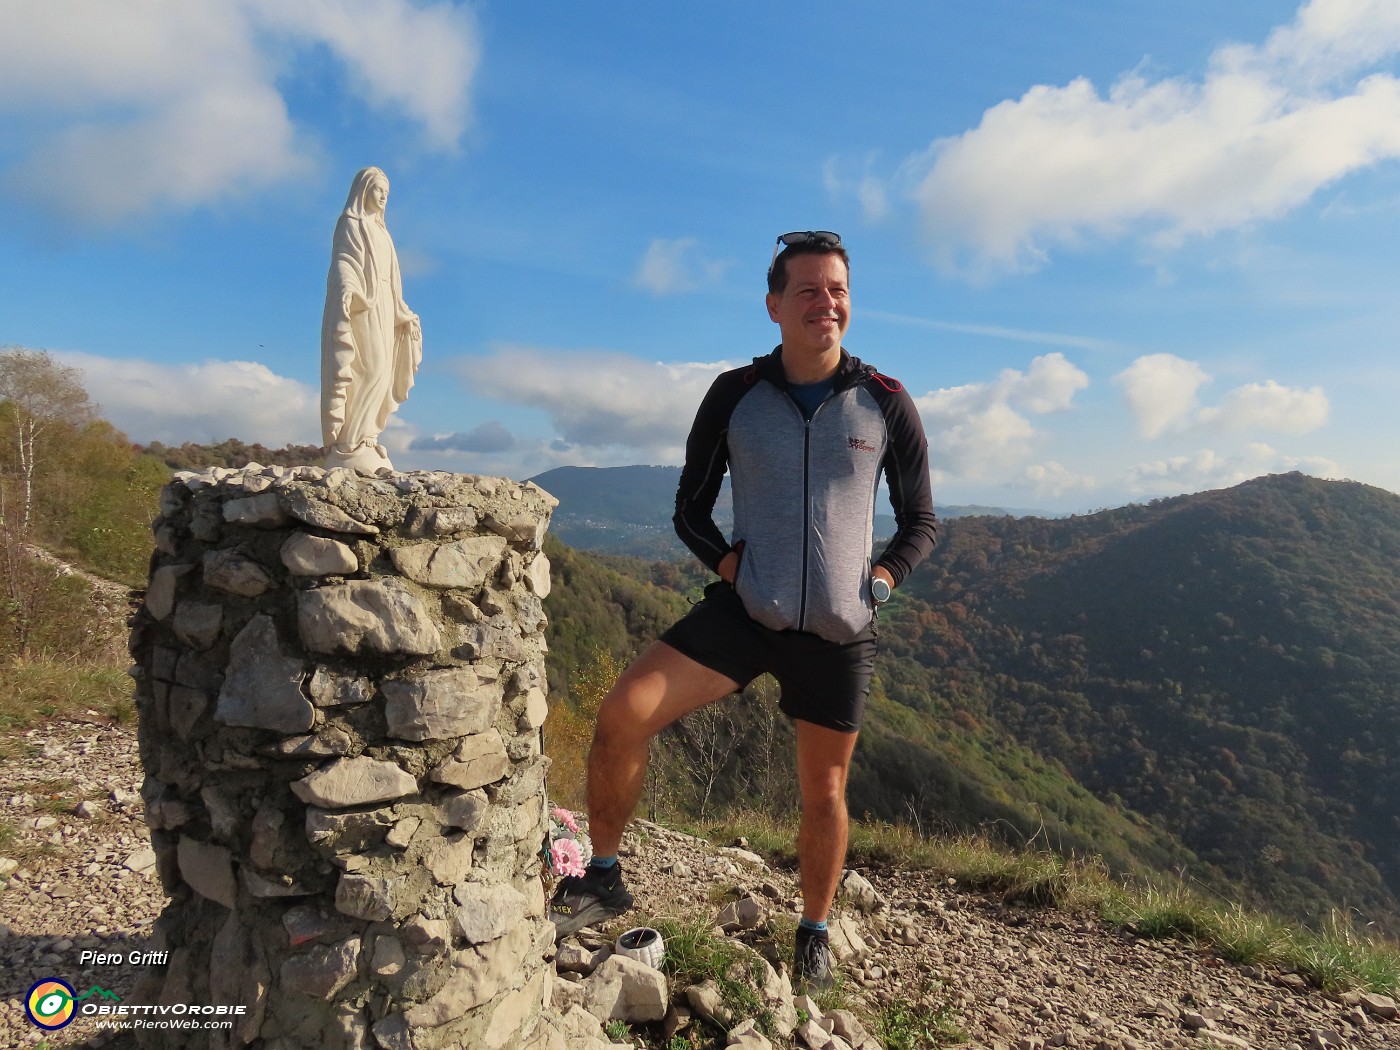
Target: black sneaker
{"type": "Point", "coordinates": [812, 969]}
{"type": "Point", "coordinates": [588, 899]}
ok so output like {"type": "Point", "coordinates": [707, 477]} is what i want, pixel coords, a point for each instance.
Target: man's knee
{"type": "Point", "coordinates": [619, 720]}
{"type": "Point", "coordinates": [824, 801]}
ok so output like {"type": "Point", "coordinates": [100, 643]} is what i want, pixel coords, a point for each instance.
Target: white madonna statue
{"type": "Point", "coordinates": [371, 342]}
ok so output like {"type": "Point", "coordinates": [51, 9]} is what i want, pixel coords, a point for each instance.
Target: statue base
{"type": "Point", "coordinates": [340, 684]}
{"type": "Point", "coordinates": [366, 457]}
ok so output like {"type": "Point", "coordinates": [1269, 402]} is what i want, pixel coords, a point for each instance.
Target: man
{"type": "Point", "coordinates": [805, 433]}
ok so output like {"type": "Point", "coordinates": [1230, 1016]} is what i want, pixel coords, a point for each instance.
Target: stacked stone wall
{"type": "Point", "coordinates": [340, 685]}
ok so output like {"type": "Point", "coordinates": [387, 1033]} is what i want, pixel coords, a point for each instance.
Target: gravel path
{"type": "Point", "coordinates": [84, 877]}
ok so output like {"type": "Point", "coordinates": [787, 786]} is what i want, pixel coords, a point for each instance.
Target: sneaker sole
{"type": "Point", "coordinates": [589, 916]}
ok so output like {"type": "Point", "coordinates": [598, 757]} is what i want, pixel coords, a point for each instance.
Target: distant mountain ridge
{"type": "Point", "coordinates": [627, 510]}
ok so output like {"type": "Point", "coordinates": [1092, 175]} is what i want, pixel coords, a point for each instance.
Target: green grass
{"type": "Point", "coordinates": [1027, 877]}
{"type": "Point", "coordinates": [617, 1031]}
{"type": "Point", "coordinates": [1341, 958]}
{"type": "Point", "coordinates": [694, 954]}
{"type": "Point", "coordinates": [915, 1025]}
{"type": "Point", "coordinates": [40, 687]}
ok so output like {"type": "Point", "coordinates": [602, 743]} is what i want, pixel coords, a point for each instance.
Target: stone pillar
{"type": "Point", "coordinates": [340, 684]}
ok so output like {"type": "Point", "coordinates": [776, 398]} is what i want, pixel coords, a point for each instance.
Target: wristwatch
{"type": "Point", "coordinates": [879, 590]}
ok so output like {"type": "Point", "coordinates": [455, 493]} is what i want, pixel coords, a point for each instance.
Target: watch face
{"type": "Point", "coordinates": [880, 590]}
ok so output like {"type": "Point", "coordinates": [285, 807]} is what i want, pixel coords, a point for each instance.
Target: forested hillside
{"type": "Point", "coordinates": [233, 453]}
{"type": "Point", "coordinates": [1226, 663]}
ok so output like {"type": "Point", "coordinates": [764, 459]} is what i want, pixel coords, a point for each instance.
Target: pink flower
{"type": "Point", "coordinates": [566, 818]}
{"type": "Point", "coordinates": [565, 857]}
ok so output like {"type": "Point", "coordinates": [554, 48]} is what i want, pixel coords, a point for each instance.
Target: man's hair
{"type": "Point", "coordinates": [778, 275]}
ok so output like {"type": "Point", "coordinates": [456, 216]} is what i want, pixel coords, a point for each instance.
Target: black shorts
{"type": "Point", "coordinates": [822, 682]}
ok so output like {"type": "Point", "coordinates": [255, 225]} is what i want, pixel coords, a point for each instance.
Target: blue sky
{"type": "Point", "coordinates": [1116, 250]}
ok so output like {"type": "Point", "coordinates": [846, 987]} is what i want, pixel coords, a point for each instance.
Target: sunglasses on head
{"type": "Point", "coordinates": [824, 238]}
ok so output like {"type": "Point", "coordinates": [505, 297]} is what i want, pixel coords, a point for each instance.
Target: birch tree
{"type": "Point", "coordinates": [40, 395]}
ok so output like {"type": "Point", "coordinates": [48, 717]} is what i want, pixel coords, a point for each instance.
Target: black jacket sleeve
{"type": "Point", "coordinates": [906, 471]}
{"type": "Point", "coordinates": [706, 460]}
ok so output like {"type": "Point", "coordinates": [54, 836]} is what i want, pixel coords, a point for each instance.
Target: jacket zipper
{"type": "Point", "coordinates": [806, 514]}
{"type": "Point", "coordinates": [807, 504]}
{"type": "Point", "coordinates": [836, 388]}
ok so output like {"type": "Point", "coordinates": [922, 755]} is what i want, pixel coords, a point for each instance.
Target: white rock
{"type": "Point", "coordinates": [208, 869]}
{"type": "Point", "coordinates": [623, 989]}
{"type": "Point", "coordinates": [744, 914]}
{"type": "Point", "coordinates": [479, 760]}
{"type": "Point", "coordinates": [856, 889]}
{"type": "Point", "coordinates": [263, 510]}
{"type": "Point", "coordinates": [379, 616]}
{"type": "Point", "coordinates": [537, 575]}
{"type": "Point", "coordinates": [141, 861]}
{"type": "Point", "coordinates": [451, 702]}
{"type": "Point", "coordinates": [307, 555]}
{"type": "Point", "coordinates": [354, 782]}
{"type": "Point", "coordinates": [263, 687]}
{"type": "Point", "coordinates": [486, 911]}
{"type": "Point", "coordinates": [743, 856]}
{"type": "Point", "coordinates": [160, 592]}
{"type": "Point", "coordinates": [463, 565]}
{"type": "Point", "coordinates": [746, 1036]}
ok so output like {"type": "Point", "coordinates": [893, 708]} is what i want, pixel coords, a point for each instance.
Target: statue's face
{"type": "Point", "coordinates": [377, 197]}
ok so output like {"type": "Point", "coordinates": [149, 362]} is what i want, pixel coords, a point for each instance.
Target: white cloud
{"type": "Point", "coordinates": [111, 111]}
{"type": "Point", "coordinates": [1208, 469]}
{"type": "Point", "coordinates": [1258, 135]}
{"type": "Point", "coordinates": [979, 427]}
{"type": "Point", "coordinates": [1267, 405]}
{"type": "Point", "coordinates": [1056, 480]}
{"type": "Point", "coordinates": [1049, 386]}
{"type": "Point", "coordinates": [1161, 390]}
{"type": "Point", "coordinates": [205, 402]}
{"type": "Point", "coordinates": [418, 58]}
{"type": "Point", "coordinates": [991, 331]}
{"type": "Point", "coordinates": [490, 436]}
{"type": "Point", "coordinates": [870, 190]}
{"type": "Point", "coordinates": [601, 405]}
{"type": "Point", "coordinates": [673, 266]}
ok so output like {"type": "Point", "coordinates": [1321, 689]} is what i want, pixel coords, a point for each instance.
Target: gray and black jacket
{"type": "Point", "coordinates": [804, 492]}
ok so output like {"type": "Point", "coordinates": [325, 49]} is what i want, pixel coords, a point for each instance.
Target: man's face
{"type": "Point", "coordinates": [814, 310]}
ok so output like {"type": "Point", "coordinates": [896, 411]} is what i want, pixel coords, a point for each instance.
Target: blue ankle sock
{"type": "Point", "coordinates": [814, 927]}
{"type": "Point", "coordinates": [603, 862]}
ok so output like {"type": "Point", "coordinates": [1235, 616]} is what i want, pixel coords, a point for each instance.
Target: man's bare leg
{"type": "Point", "coordinates": [659, 687]}
{"type": "Point", "coordinates": [823, 762]}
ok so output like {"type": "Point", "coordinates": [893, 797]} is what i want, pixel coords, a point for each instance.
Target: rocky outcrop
{"type": "Point", "coordinates": [340, 683]}
{"type": "Point", "coordinates": [914, 944]}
